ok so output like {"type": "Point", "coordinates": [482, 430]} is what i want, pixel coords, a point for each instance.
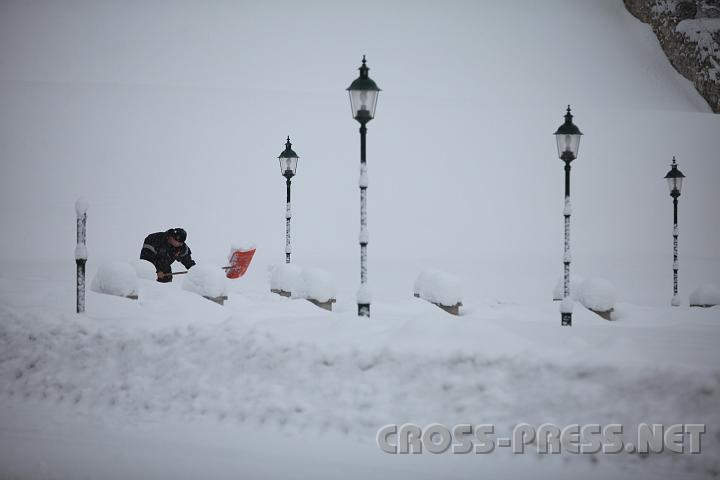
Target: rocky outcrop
{"type": "Point", "coordinates": [689, 33]}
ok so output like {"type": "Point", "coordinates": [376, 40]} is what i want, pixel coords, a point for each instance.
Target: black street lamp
{"type": "Point", "coordinates": [288, 166]}
{"type": "Point", "coordinates": [675, 179]}
{"type": "Point", "coordinates": [568, 142]}
{"type": "Point", "coordinates": [363, 100]}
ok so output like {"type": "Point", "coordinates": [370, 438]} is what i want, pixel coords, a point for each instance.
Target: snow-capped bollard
{"type": "Point", "coordinates": [599, 296]}
{"type": "Point", "coordinates": [207, 281]}
{"type": "Point", "coordinates": [116, 278]}
{"type": "Point", "coordinates": [705, 296]}
{"type": "Point", "coordinates": [441, 289]}
{"type": "Point", "coordinates": [81, 207]}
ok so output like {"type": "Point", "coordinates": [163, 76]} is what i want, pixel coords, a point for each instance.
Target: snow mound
{"type": "Point", "coordinates": [707, 294]}
{"type": "Point", "coordinates": [318, 284]}
{"type": "Point", "coordinates": [575, 282]}
{"type": "Point", "coordinates": [206, 280]}
{"type": "Point", "coordinates": [116, 278]}
{"type": "Point", "coordinates": [301, 282]}
{"type": "Point", "coordinates": [438, 287]}
{"type": "Point", "coordinates": [144, 269]}
{"type": "Point", "coordinates": [598, 294]}
{"type": "Point", "coordinates": [286, 276]}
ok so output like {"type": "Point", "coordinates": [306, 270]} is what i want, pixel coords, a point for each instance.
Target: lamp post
{"type": "Point", "coordinates": [81, 207]}
{"type": "Point", "coordinates": [288, 165]}
{"type": "Point", "coordinates": [363, 100]}
{"type": "Point", "coordinates": [568, 142]}
{"type": "Point", "coordinates": [675, 179]}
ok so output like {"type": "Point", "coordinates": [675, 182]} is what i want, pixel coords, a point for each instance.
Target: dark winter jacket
{"type": "Point", "coordinates": [160, 253]}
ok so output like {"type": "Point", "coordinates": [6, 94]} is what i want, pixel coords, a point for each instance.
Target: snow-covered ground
{"type": "Point", "coordinates": [272, 387]}
{"type": "Point", "coordinates": [166, 117]}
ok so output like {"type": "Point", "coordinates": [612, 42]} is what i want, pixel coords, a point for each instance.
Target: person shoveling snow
{"type": "Point", "coordinates": [162, 249]}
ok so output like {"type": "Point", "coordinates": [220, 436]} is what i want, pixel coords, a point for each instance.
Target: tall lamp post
{"type": "Point", "coordinates": [288, 165]}
{"type": "Point", "coordinates": [675, 179]}
{"type": "Point", "coordinates": [568, 142]}
{"type": "Point", "coordinates": [363, 100]}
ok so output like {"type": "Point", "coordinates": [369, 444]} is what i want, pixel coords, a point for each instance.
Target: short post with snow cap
{"type": "Point", "coordinates": [363, 100]}
{"type": "Point", "coordinates": [568, 142]}
{"type": "Point", "coordinates": [81, 207]}
{"type": "Point", "coordinates": [288, 165]}
{"type": "Point", "coordinates": [675, 179]}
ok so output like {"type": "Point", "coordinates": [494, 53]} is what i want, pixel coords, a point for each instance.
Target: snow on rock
{"type": "Point", "coordinates": [707, 294]}
{"type": "Point", "coordinates": [144, 269]}
{"type": "Point", "coordinates": [438, 287]}
{"type": "Point", "coordinates": [116, 278]}
{"type": "Point", "coordinates": [598, 294]}
{"type": "Point", "coordinates": [318, 284]}
{"type": "Point", "coordinates": [575, 282]}
{"type": "Point", "coordinates": [206, 280]}
{"type": "Point", "coordinates": [286, 277]}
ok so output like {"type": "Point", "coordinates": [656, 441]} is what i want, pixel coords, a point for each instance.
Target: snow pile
{"type": "Point", "coordinates": [707, 294]}
{"type": "Point", "coordinates": [318, 284]}
{"type": "Point", "coordinates": [206, 280]}
{"type": "Point", "coordinates": [116, 278]}
{"type": "Point", "coordinates": [438, 287]}
{"type": "Point", "coordinates": [144, 269]}
{"type": "Point", "coordinates": [286, 277]}
{"type": "Point", "coordinates": [301, 282]}
{"type": "Point", "coordinates": [598, 294]}
{"type": "Point", "coordinates": [575, 282]}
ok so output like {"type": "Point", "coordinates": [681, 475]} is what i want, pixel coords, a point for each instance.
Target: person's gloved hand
{"type": "Point", "coordinates": [164, 277]}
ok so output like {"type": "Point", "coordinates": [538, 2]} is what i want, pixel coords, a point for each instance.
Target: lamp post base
{"type": "Point", "coordinates": [566, 319]}
{"type": "Point", "coordinates": [363, 309]}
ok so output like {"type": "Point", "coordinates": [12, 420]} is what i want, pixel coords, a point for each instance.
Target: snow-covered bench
{"type": "Point", "coordinates": [312, 284]}
{"type": "Point", "coordinates": [598, 295]}
{"type": "Point", "coordinates": [705, 296]}
{"type": "Point", "coordinates": [116, 278]}
{"type": "Point", "coordinates": [439, 288]}
{"type": "Point", "coordinates": [208, 281]}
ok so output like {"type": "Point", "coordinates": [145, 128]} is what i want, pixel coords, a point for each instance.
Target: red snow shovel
{"type": "Point", "coordinates": [239, 263]}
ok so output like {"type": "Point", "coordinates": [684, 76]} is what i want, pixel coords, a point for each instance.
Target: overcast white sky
{"type": "Point", "coordinates": [168, 114]}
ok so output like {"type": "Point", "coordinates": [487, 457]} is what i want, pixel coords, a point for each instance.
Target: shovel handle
{"type": "Point", "coordinates": [186, 271]}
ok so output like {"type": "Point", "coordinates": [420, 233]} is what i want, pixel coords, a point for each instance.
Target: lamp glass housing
{"type": "Point", "coordinates": [363, 103]}
{"type": "Point", "coordinates": [567, 142]}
